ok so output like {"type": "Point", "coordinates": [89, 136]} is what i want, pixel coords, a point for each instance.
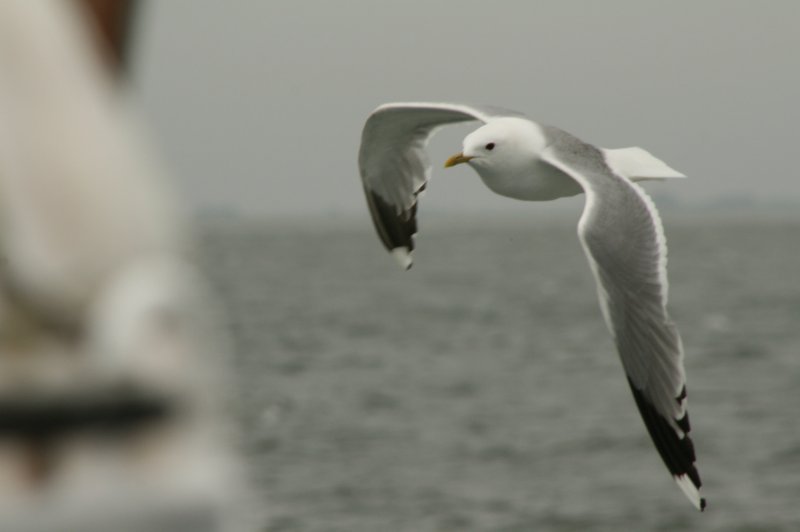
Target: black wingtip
{"type": "Point", "coordinates": [675, 450]}
{"type": "Point", "coordinates": [682, 395]}
{"type": "Point", "coordinates": [702, 504]}
{"type": "Point", "coordinates": [396, 230]}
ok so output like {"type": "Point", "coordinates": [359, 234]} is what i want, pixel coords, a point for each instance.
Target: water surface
{"type": "Point", "coordinates": [481, 391]}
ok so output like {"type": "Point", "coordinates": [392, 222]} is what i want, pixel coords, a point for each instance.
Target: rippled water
{"type": "Point", "coordinates": [481, 391]}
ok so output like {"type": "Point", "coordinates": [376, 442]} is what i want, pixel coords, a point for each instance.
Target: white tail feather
{"type": "Point", "coordinates": [638, 164]}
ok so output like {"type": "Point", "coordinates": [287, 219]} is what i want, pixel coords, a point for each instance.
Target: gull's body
{"type": "Point", "coordinates": [620, 231]}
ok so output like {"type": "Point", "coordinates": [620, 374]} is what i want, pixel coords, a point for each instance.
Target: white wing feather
{"type": "Point", "coordinates": [623, 238]}
{"type": "Point", "coordinates": [395, 168]}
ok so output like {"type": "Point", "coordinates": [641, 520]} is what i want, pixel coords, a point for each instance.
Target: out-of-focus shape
{"type": "Point", "coordinates": [112, 22]}
{"type": "Point", "coordinates": [110, 369]}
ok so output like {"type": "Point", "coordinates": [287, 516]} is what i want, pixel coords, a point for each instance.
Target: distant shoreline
{"type": "Point", "coordinates": [671, 214]}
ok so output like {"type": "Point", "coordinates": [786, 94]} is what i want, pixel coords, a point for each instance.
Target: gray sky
{"type": "Point", "coordinates": [259, 105]}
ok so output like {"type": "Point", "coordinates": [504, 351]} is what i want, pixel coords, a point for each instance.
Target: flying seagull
{"type": "Point", "coordinates": [619, 229]}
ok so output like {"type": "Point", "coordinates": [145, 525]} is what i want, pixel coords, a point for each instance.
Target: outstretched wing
{"type": "Point", "coordinates": [624, 241]}
{"type": "Point", "coordinates": [395, 168]}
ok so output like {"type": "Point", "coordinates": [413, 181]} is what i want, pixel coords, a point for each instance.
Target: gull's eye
{"type": "Point", "coordinates": [490, 146]}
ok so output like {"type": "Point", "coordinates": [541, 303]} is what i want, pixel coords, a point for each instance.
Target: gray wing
{"type": "Point", "coordinates": [394, 164]}
{"type": "Point", "coordinates": [624, 241]}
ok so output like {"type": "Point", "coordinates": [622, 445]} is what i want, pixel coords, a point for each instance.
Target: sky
{"type": "Point", "coordinates": [257, 107]}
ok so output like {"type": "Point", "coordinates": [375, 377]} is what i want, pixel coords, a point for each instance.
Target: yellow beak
{"type": "Point", "coordinates": [456, 159]}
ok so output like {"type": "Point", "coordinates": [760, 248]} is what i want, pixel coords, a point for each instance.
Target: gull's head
{"type": "Point", "coordinates": [504, 145]}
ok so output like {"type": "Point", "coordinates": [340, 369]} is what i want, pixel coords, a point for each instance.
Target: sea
{"type": "Point", "coordinates": [480, 390]}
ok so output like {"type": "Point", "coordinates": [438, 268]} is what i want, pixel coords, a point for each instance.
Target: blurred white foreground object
{"type": "Point", "coordinates": [109, 365]}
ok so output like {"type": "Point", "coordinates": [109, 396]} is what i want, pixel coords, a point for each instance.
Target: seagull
{"type": "Point", "coordinates": [620, 231]}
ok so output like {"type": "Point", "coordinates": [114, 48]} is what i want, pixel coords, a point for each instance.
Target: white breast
{"type": "Point", "coordinates": [537, 181]}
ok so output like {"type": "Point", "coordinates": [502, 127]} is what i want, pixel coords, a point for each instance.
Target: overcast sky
{"type": "Point", "coordinates": [258, 106]}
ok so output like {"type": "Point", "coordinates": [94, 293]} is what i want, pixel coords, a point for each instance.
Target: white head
{"type": "Point", "coordinates": [503, 146]}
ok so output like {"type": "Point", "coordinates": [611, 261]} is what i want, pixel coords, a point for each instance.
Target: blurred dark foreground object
{"type": "Point", "coordinates": [113, 23]}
